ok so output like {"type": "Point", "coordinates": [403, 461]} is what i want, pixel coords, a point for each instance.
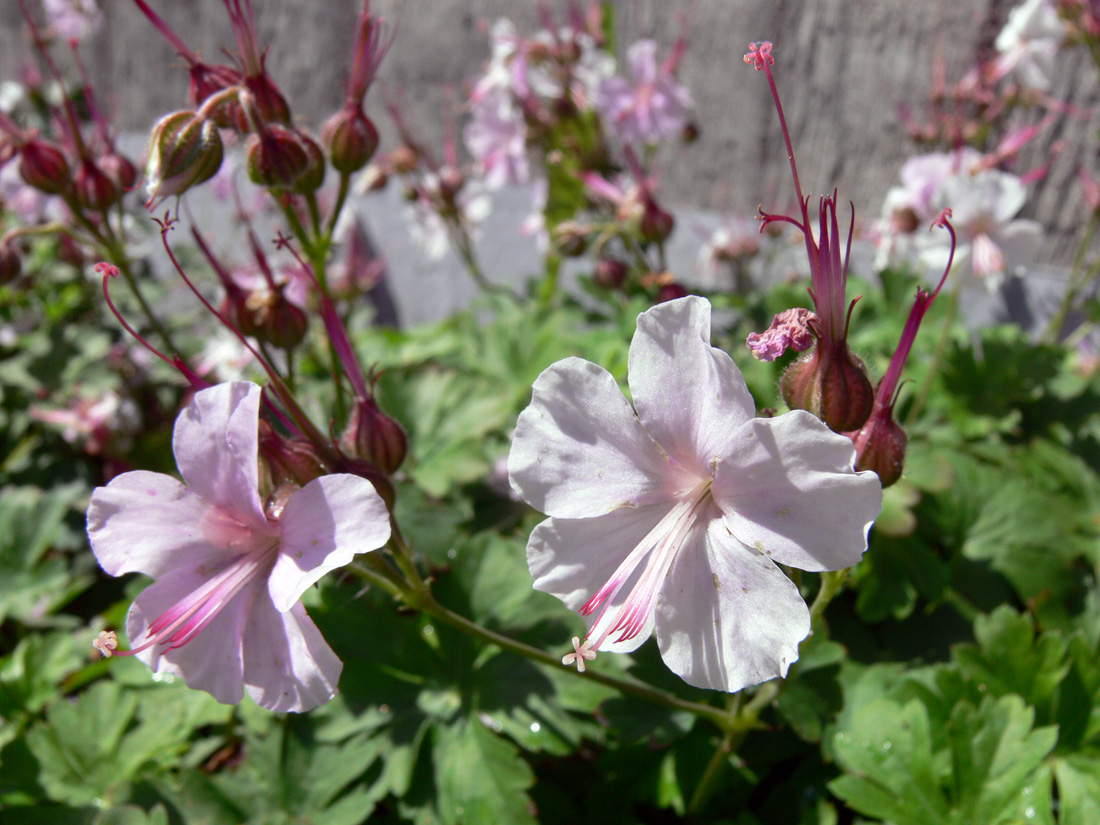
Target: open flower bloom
{"type": "Point", "coordinates": [672, 514]}
{"type": "Point", "coordinates": [224, 611]}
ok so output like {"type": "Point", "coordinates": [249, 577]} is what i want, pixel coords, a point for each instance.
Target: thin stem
{"type": "Point", "coordinates": [419, 597]}
{"type": "Point", "coordinates": [638, 689]}
{"type": "Point", "coordinates": [338, 206]}
{"type": "Point", "coordinates": [831, 583]}
{"type": "Point", "coordinates": [937, 358]}
{"type": "Point", "coordinates": [1078, 278]}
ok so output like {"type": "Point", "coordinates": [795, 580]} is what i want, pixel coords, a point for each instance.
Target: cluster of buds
{"type": "Point", "coordinates": [71, 160]}
{"type": "Point", "coordinates": [186, 148]}
{"type": "Point", "coordinates": [829, 380]}
{"type": "Point", "coordinates": [638, 222]}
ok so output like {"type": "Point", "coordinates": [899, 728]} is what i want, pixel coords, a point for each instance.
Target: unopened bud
{"type": "Point", "coordinates": [832, 383]}
{"type": "Point", "coordinates": [880, 446]}
{"type": "Point", "coordinates": [351, 139]}
{"type": "Point", "coordinates": [610, 273]}
{"type": "Point", "coordinates": [404, 159]}
{"type": "Point", "coordinates": [119, 169]}
{"type": "Point", "coordinates": [287, 459]}
{"type": "Point", "coordinates": [43, 166]}
{"type": "Point", "coordinates": [207, 80]}
{"type": "Point", "coordinates": [314, 175]}
{"type": "Point", "coordinates": [10, 264]}
{"type": "Point", "coordinates": [93, 188]}
{"type": "Point", "coordinates": [375, 437]}
{"type": "Point", "coordinates": [670, 292]}
{"type": "Point", "coordinates": [657, 224]}
{"type": "Point", "coordinates": [268, 315]}
{"type": "Point", "coordinates": [570, 239]}
{"type": "Point", "coordinates": [269, 102]}
{"type": "Point", "coordinates": [184, 151]}
{"type": "Point", "coordinates": [277, 158]}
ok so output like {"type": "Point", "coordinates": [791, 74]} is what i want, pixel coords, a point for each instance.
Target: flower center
{"type": "Point", "coordinates": [659, 549]}
{"type": "Point", "coordinates": [188, 617]}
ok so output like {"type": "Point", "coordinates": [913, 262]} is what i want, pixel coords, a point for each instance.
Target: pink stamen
{"type": "Point", "coordinates": [188, 617]}
{"type": "Point", "coordinates": [661, 545]}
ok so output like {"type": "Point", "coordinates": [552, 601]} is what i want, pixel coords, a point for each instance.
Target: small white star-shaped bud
{"type": "Point", "coordinates": [580, 654]}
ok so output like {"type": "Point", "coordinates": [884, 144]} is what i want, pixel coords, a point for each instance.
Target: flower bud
{"type": "Point", "coordinates": [880, 446]}
{"type": "Point", "coordinates": [657, 224]}
{"type": "Point", "coordinates": [184, 151]}
{"type": "Point", "coordinates": [207, 80]}
{"type": "Point", "coordinates": [93, 188]}
{"type": "Point", "coordinates": [119, 169]}
{"type": "Point", "coordinates": [10, 264]}
{"type": "Point", "coordinates": [375, 437]}
{"type": "Point", "coordinates": [314, 175]}
{"type": "Point", "coordinates": [610, 273]}
{"type": "Point", "coordinates": [43, 166]}
{"type": "Point", "coordinates": [287, 459]}
{"type": "Point", "coordinates": [832, 383]}
{"type": "Point", "coordinates": [268, 101]}
{"type": "Point", "coordinates": [570, 239]}
{"type": "Point", "coordinates": [351, 139]}
{"type": "Point", "coordinates": [404, 159]}
{"type": "Point", "coordinates": [268, 315]}
{"type": "Point", "coordinates": [277, 158]}
{"type": "Point", "coordinates": [670, 292]}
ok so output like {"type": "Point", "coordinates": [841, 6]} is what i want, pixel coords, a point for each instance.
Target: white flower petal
{"type": "Point", "coordinates": [788, 490]}
{"type": "Point", "coordinates": [216, 443]}
{"type": "Point", "coordinates": [690, 397]}
{"type": "Point", "coordinates": [288, 665]}
{"type": "Point", "coordinates": [211, 661]}
{"type": "Point", "coordinates": [324, 525]}
{"type": "Point", "coordinates": [573, 558]}
{"type": "Point", "coordinates": [150, 523]}
{"type": "Point", "coordinates": [579, 450]}
{"type": "Point", "coordinates": [728, 618]}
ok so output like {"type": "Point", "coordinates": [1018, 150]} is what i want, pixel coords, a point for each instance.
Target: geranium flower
{"type": "Point", "coordinates": [650, 105]}
{"type": "Point", "coordinates": [1029, 41]}
{"type": "Point", "coordinates": [224, 611]}
{"type": "Point", "coordinates": [672, 513]}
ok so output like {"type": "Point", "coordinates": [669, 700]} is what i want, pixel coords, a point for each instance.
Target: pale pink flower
{"type": "Point", "coordinates": [496, 137]}
{"type": "Point", "coordinates": [992, 242]}
{"type": "Point", "coordinates": [224, 612]}
{"type": "Point", "coordinates": [92, 420]}
{"type": "Point", "coordinates": [73, 19]}
{"type": "Point", "coordinates": [649, 106]}
{"type": "Point", "coordinates": [672, 513]}
{"type": "Point", "coordinates": [1028, 42]}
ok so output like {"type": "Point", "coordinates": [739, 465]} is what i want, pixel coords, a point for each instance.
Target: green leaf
{"type": "Point", "coordinates": [886, 750]}
{"type": "Point", "coordinates": [1011, 660]}
{"type": "Point", "coordinates": [33, 583]}
{"type": "Point", "coordinates": [480, 778]}
{"type": "Point", "coordinates": [1078, 778]}
{"type": "Point", "coordinates": [994, 752]}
